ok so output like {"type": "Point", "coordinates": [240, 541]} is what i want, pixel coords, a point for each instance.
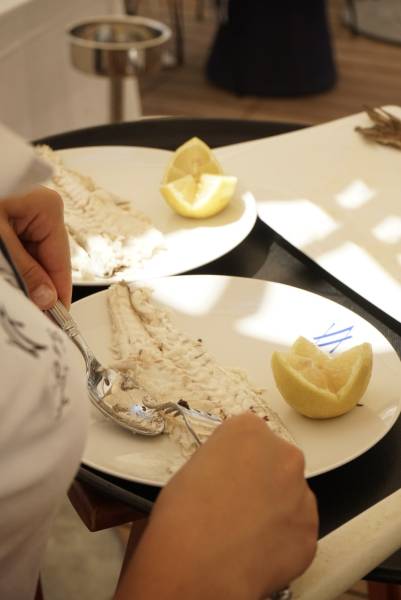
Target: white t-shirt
{"type": "Point", "coordinates": [43, 421]}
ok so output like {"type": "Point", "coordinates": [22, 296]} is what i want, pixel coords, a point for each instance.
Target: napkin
{"type": "Point", "coordinates": [334, 196]}
{"type": "Point", "coordinates": [348, 553]}
{"type": "Point", "coordinates": [20, 168]}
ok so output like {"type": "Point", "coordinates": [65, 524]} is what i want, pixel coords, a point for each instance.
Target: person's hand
{"type": "Point", "coordinates": [32, 228]}
{"type": "Point", "coordinates": [238, 521]}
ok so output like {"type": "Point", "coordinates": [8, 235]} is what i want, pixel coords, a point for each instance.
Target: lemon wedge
{"type": "Point", "coordinates": [192, 158]}
{"type": "Point", "coordinates": [319, 386]}
{"type": "Point", "coordinates": [194, 184]}
{"type": "Point", "coordinates": [202, 199]}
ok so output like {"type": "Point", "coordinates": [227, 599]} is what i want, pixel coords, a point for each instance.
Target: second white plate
{"type": "Point", "coordinates": [241, 322]}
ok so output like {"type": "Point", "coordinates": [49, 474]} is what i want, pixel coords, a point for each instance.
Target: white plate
{"type": "Point", "coordinates": [242, 321]}
{"type": "Point", "coordinates": [336, 197]}
{"type": "Point", "coordinates": [135, 174]}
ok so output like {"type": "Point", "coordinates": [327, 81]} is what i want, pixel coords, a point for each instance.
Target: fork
{"type": "Point", "coordinates": [284, 594]}
{"type": "Point", "coordinates": [179, 408]}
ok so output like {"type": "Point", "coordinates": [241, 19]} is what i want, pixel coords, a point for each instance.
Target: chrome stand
{"type": "Point", "coordinates": [116, 99]}
{"type": "Point", "coordinates": [118, 47]}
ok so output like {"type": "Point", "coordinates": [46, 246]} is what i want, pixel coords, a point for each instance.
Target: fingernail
{"type": "Point", "coordinates": [43, 296]}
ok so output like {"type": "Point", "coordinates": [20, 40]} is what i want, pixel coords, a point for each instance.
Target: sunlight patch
{"type": "Point", "coordinates": [356, 194]}
{"type": "Point", "coordinates": [388, 230]}
{"type": "Point", "coordinates": [299, 221]}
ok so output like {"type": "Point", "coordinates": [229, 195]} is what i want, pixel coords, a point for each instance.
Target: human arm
{"type": "Point", "coordinates": [238, 521]}
{"type": "Point", "coordinates": [32, 228]}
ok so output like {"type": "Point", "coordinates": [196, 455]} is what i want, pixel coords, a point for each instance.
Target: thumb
{"type": "Point", "coordinates": [40, 287]}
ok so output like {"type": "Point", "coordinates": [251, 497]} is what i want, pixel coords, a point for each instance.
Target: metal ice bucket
{"type": "Point", "coordinates": [117, 47]}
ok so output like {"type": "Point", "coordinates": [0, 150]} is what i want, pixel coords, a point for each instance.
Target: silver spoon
{"type": "Point", "coordinates": [143, 417]}
{"type": "Point", "coordinates": [100, 380]}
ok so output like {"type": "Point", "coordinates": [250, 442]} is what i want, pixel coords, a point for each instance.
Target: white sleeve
{"type": "Point", "coordinates": [43, 407]}
{"type": "Point", "coordinates": [20, 167]}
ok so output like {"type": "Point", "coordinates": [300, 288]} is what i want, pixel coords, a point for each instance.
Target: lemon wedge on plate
{"type": "Point", "coordinates": [194, 184]}
{"type": "Point", "coordinates": [320, 386]}
{"type": "Point", "coordinates": [192, 158]}
{"type": "Point", "coordinates": [199, 199]}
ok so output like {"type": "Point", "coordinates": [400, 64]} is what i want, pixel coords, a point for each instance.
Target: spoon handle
{"type": "Point", "coordinates": [65, 321]}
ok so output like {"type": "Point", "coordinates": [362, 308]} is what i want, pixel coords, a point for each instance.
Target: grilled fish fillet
{"type": "Point", "coordinates": [108, 235]}
{"type": "Point", "coordinates": [171, 366]}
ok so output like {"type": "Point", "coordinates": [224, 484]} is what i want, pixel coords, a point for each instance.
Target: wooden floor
{"type": "Point", "coordinates": [369, 72]}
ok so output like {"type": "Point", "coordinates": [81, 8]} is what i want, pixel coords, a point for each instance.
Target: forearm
{"type": "Point", "coordinates": [171, 563]}
{"type": "Point", "coordinates": [237, 521]}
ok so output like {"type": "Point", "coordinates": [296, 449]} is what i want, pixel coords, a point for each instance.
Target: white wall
{"type": "Point", "coordinates": [40, 92]}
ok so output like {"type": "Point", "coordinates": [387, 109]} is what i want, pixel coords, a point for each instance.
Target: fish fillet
{"type": "Point", "coordinates": [172, 366]}
{"type": "Point", "coordinates": [108, 235]}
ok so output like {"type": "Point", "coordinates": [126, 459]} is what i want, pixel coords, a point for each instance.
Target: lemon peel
{"type": "Point", "coordinates": [319, 386]}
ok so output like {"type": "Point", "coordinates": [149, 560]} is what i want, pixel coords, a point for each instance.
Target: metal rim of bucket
{"type": "Point", "coordinates": [164, 33]}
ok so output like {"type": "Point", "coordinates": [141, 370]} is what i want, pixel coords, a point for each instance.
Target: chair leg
{"type": "Point", "coordinates": [383, 591]}
{"type": "Point", "coordinates": [131, 7]}
{"type": "Point", "coordinates": [177, 19]}
{"type": "Point", "coordinates": [200, 10]}
{"type": "Point", "coordinates": [353, 16]}
{"type": "Point", "coordinates": [39, 591]}
{"type": "Point", "coordinates": [137, 529]}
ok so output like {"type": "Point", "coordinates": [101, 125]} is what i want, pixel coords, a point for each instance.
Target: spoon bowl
{"type": "Point", "coordinates": [138, 418]}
